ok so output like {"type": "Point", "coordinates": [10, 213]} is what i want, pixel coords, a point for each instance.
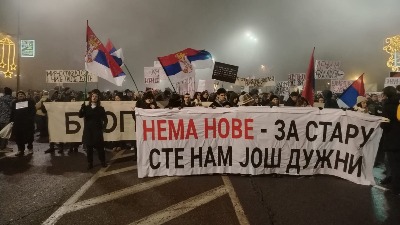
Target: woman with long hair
{"type": "Point", "coordinates": [95, 121]}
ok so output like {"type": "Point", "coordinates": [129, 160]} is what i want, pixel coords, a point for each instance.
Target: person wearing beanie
{"type": "Point", "coordinates": [361, 105]}
{"type": "Point", "coordinates": [118, 96]}
{"type": "Point", "coordinates": [5, 114]}
{"type": "Point", "coordinates": [23, 115]}
{"type": "Point", "coordinates": [220, 100]}
{"type": "Point", "coordinates": [330, 103]}
{"type": "Point", "coordinates": [175, 101]}
{"type": "Point", "coordinates": [95, 122]}
{"type": "Point", "coordinates": [274, 100]}
{"type": "Point", "coordinates": [147, 101]}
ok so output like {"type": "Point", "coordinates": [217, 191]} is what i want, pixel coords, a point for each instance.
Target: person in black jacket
{"type": "Point", "coordinates": [329, 102]}
{"type": "Point", "coordinates": [220, 100]}
{"type": "Point", "coordinates": [390, 136]}
{"type": "Point", "coordinates": [292, 99]}
{"type": "Point", "coordinates": [95, 121]}
{"type": "Point", "coordinates": [23, 115]}
{"type": "Point", "coordinates": [187, 102]}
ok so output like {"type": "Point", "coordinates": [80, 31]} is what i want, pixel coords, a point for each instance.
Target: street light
{"type": "Point", "coordinates": [251, 36]}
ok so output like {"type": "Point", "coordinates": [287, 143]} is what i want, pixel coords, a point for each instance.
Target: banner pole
{"type": "Point", "coordinates": [87, 50]}
{"type": "Point", "coordinates": [131, 76]}
{"type": "Point", "coordinates": [171, 84]}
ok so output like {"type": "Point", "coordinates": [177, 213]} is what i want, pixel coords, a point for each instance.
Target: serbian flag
{"type": "Point", "coordinates": [308, 90]}
{"type": "Point", "coordinates": [184, 62]}
{"type": "Point", "coordinates": [99, 61]}
{"type": "Point", "coordinates": [349, 96]}
{"type": "Point", "coordinates": [116, 54]}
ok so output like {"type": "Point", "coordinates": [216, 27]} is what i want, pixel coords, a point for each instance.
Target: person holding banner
{"type": "Point", "coordinates": [390, 136]}
{"type": "Point", "coordinates": [274, 101]}
{"type": "Point", "coordinates": [147, 101]}
{"type": "Point", "coordinates": [197, 99]}
{"type": "Point", "coordinates": [95, 121]}
{"type": "Point", "coordinates": [330, 103]}
{"type": "Point", "coordinates": [187, 102]}
{"type": "Point", "coordinates": [23, 115]}
{"type": "Point", "coordinates": [361, 105]}
{"type": "Point", "coordinates": [292, 99]}
{"type": "Point", "coordinates": [220, 100]}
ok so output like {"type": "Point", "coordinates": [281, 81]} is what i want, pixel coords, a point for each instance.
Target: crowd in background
{"type": "Point", "coordinates": [33, 117]}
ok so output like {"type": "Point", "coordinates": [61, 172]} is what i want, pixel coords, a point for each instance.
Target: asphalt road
{"type": "Point", "coordinates": [56, 188]}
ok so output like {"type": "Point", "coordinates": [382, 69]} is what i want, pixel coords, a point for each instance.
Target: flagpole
{"type": "Point", "coordinates": [131, 77]}
{"type": "Point", "coordinates": [87, 50]}
{"type": "Point", "coordinates": [166, 74]}
{"type": "Point", "coordinates": [171, 83]}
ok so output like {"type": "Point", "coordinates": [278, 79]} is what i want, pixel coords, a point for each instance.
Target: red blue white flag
{"type": "Point", "coordinates": [100, 62]}
{"type": "Point", "coordinates": [186, 61]}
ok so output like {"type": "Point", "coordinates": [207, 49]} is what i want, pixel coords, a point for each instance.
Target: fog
{"type": "Point", "coordinates": [352, 32]}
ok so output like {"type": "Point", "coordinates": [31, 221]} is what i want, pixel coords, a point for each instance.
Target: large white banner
{"type": "Point", "coordinates": [69, 76]}
{"type": "Point", "coordinates": [392, 81]}
{"type": "Point", "coordinates": [325, 69]}
{"type": "Point", "coordinates": [338, 86]}
{"type": "Point", "coordinates": [257, 140]}
{"type": "Point", "coordinates": [66, 126]}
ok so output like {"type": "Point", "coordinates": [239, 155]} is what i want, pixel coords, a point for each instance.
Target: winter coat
{"type": "Point", "coordinates": [219, 104]}
{"type": "Point", "coordinates": [290, 102]}
{"type": "Point", "coordinates": [5, 108]}
{"type": "Point", "coordinates": [391, 130]}
{"type": "Point", "coordinates": [329, 102]}
{"type": "Point", "coordinates": [24, 121]}
{"type": "Point", "coordinates": [95, 121]}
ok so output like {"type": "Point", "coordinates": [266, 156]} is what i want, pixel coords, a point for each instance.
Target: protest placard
{"type": "Point", "coordinates": [69, 76]}
{"type": "Point", "coordinates": [325, 69]}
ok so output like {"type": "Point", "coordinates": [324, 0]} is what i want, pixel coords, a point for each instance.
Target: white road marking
{"type": "Point", "coordinates": [235, 201]}
{"type": "Point", "coordinates": [74, 198]}
{"type": "Point", "coordinates": [181, 208]}
{"type": "Point", "coordinates": [380, 187]}
{"type": "Point", "coordinates": [163, 216]}
{"type": "Point", "coordinates": [120, 193]}
{"type": "Point", "coordinates": [112, 172]}
{"type": "Point", "coordinates": [120, 156]}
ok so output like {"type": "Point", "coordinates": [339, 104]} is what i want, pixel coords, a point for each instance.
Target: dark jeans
{"type": "Point", "coordinates": [3, 142]}
{"type": "Point", "coordinates": [41, 123]}
{"type": "Point", "coordinates": [21, 146]}
{"type": "Point", "coordinates": [394, 162]}
{"type": "Point", "coordinates": [100, 152]}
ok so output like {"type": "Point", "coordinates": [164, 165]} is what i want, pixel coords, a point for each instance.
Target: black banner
{"type": "Point", "coordinates": [225, 72]}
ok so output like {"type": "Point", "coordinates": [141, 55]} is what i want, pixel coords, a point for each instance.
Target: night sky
{"type": "Point", "coordinates": [352, 32]}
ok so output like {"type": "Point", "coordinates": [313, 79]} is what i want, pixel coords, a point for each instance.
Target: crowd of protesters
{"type": "Point", "coordinates": [34, 115]}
